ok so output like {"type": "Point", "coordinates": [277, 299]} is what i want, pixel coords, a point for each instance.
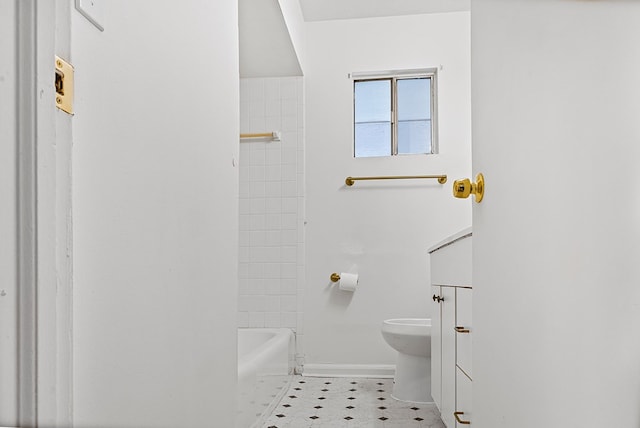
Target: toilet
{"type": "Point", "coordinates": [411, 337]}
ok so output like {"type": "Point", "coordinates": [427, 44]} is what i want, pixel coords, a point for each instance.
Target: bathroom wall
{"type": "Point", "coordinates": [271, 252]}
{"type": "Point", "coordinates": [379, 229]}
{"type": "Point", "coordinates": [155, 205]}
{"type": "Point", "coordinates": [294, 19]}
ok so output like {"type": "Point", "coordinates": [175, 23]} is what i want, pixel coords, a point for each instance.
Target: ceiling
{"type": "Point", "coordinates": [322, 10]}
{"type": "Point", "coordinates": [266, 47]}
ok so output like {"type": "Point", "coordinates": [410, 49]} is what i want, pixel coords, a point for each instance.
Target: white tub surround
{"type": "Point", "coordinates": [271, 204]}
{"type": "Point", "coordinates": [265, 368]}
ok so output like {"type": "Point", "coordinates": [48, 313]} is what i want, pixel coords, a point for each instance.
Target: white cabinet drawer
{"type": "Point", "coordinates": [464, 410]}
{"type": "Point", "coordinates": [451, 265]}
{"type": "Point", "coordinates": [464, 330]}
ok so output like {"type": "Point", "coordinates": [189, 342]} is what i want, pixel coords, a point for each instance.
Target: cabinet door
{"type": "Point", "coordinates": [436, 348]}
{"type": "Point", "coordinates": [464, 329]}
{"type": "Point", "coordinates": [448, 319]}
{"type": "Point", "coordinates": [463, 399]}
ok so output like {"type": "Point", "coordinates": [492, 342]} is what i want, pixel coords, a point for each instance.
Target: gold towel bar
{"type": "Point", "coordinates": [273, 135]}
{"type": "Point", "coordinates": [350, 180]}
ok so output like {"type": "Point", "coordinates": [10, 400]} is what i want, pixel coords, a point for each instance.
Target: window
{"type": "Point", "coordinates": [394, 114]}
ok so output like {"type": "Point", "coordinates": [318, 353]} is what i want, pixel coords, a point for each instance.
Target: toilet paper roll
{"type": "Point", "coordinates": [348, 281]}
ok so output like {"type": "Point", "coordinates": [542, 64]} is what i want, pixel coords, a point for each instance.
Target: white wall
{"type": "Point", "coordinates": [8, 219]}
{"type": "Point", "coordinates": [556, 239]}
{"type": "Point", "coordinates": [294, 19]}
{"type": "Point", "coordinates": [155, 211]}
{"type": "Point", "coordinates": [267, 46]}
{"type": "Point", "coordinates": [381, 228]}
{"type": "Point", "coordinates": [271, 263]}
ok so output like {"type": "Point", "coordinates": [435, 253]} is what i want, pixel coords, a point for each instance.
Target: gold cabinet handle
{"type": "Point", "coordinates": [461, 329]}
{"type": "Point", "coordinates": [460, 421]}
{"type": "Point", "coordinates": [463, 188]}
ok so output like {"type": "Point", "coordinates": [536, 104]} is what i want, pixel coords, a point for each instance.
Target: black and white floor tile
{"type": "Point", "coordinates": [349, 403]}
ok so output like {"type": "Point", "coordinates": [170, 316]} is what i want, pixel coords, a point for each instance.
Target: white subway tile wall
{"type": "Point", "coordinates": [271, 254]}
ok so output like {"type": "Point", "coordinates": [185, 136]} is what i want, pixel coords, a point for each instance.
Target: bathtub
{"type": "Point", "coordinates": [265, 370]}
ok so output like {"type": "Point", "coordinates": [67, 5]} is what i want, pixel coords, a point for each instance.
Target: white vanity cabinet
{"type": "Point", "coordinates": [451, 331]}
{"type": "Point", "coordinates": [443, 357]}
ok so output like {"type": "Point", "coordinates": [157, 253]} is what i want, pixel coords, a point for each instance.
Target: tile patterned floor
{"type": "Point", "coordinates": [348, 403]}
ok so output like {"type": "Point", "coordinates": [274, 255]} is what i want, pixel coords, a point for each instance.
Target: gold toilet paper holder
{"type": "Point", "coordinates": [335, 277]}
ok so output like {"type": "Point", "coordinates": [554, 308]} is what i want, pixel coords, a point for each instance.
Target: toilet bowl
{"type": "Point", "coordinates": [411, 337]}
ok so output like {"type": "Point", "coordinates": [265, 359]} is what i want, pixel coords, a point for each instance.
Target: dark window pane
{"type": "Point", "coordinates": [414, 136]}
{"type": "Point", "coordinates": [372, 101]}
{"type": "Point", "coordinates": [372, 139]}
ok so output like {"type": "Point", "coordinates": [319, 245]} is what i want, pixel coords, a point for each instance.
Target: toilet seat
{"type": "Point", "coordinates": [411, 326]}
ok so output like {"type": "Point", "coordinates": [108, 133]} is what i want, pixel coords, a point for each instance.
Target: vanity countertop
{"type": "Point", "coordinates": [451, 239]}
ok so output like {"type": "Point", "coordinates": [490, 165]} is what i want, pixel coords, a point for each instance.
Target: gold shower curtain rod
{"type": "Point", "coordinates": [349, 181]}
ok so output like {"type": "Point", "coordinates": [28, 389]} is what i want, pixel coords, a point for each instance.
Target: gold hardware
{"type": "Point", "coordinates": [335, 277]}
{"type": "Point", "coordinates": [438, 298]}
{"type": "Point", "coordinates": [64, 85]}
{"type": "Point", "coordinates": [461, 329]}
{"type": "Point", "coordinates": [258, 135]}
{"type": "Point", "coordinates": [463, 188]}
{"type": "Point", "coordinates": [460, 421]}
{"type": "Point", "coordinates": [350, 180]}
{"type": "Point", "coordinates": [272, 135]}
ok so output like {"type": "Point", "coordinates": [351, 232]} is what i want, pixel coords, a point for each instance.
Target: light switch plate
{"type": "Point", "coordinates": [92, 10]}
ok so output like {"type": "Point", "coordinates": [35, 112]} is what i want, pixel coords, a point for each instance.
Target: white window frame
{"type": "Point", "coordinates": [394, 76]}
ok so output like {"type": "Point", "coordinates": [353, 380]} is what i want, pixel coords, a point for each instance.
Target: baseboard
{"type": "Point", "coordinates": [381, 371]}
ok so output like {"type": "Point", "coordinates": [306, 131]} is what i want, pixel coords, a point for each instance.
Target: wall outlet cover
{"type": "Point", "coordinates": [92, 10]}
